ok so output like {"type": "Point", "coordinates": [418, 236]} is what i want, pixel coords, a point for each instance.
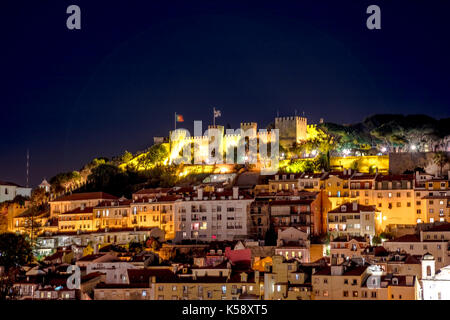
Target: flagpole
{"type": "Point", "coordinates": [175, 121]}
{"type": "Point", "coordinates": [214, 116]}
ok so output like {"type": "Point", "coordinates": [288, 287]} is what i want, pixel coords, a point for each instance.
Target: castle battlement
{"type": "Point", "coordinates": [292, 118]}
{"type": "Point", "coordinates": [249, 124]}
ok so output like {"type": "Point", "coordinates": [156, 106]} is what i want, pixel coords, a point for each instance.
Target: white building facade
{"type": "Point", "coordinates": [212, 216]}
{"type": "Point", "coordinates": [435, 286]}
{"type": "Point", "coordinates": [9, 190]}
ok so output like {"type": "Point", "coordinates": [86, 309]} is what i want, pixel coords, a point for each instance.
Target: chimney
{"type": "Point", "coordinates": [235, 192]}
{"type": "Point", "coordinates": [200, 193]}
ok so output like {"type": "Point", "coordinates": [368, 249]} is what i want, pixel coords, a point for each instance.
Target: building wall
{"type": "Point", "coordinates": [291, 130]}
{"type": "Point", "coordinates": [438, 249]}
{"type": "Point", "coordinates": [210, 220]}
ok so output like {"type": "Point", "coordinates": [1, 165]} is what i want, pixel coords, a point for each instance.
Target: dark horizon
{"type": "Point", "coordinates": [72, 95]}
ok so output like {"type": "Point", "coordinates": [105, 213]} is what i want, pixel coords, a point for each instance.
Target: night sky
{"type": "Point", "coordinates": [73, 95]}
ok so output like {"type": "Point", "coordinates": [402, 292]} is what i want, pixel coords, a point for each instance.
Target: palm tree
{"type": "Point", "coordinates": [440, 159]}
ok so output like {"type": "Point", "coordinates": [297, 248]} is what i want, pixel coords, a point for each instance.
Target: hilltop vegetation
{"type": "Point", "coordinates": [389, 131]}
{"type": "Point", "coordinates": [127, 173]}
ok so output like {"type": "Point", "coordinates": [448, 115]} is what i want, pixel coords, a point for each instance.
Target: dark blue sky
{"type": "Point", "coordinates": [72, 95]}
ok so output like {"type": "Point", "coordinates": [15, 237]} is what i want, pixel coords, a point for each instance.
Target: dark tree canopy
{"type": "Point", "coordinates": [15, 250]}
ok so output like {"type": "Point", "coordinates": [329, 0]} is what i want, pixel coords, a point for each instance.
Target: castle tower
{"type": "Point", "coordinates": [291, 130]}
{"type": "Point", "coordinates": [249, 125]}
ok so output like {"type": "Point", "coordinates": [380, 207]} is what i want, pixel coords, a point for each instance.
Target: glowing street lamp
{"type": "Point", "coordinates": [383, 149]}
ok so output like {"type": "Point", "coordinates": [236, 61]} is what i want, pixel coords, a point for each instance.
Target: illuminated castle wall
{"type": "Point", "coordinates": [291, 129]}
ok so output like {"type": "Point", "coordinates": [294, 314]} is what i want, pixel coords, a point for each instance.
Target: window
{"type": "Point", "coordinates": [345, 293]}
{"type": "Point", "coordinates": [325, 293]}
{"type": "Point", "coordinates": [355, 294]}
{"type": "Point", "coordinates": [374, 294]}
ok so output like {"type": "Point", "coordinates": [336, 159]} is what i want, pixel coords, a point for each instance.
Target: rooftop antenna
{"type": "Point", "coordinates": [278, 113]}
{"type": "Point", "coordinates": [28, 166]}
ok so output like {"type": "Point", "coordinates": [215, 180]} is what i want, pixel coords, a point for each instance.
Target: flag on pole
{"type": "Point", "coordinates": [179, 118]}
{"type": "Point", "coordinates": [217, 113]}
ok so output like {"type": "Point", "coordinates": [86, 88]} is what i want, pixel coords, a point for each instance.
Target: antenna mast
{"type": "Point", "coordinates": [28, 167]}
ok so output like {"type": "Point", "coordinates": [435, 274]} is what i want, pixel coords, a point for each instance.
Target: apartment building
{"type": "Point", "coordinates": [112, 214]}
{"type": "Point", "coordinates": [78, 219]}
{"type": "Point", "coordinates": [210, 216]}
{"type": "Point", "coordinates": [341, 282]}
{"type": "Point", "coordinates": [136, 286]}
{"type": "Point", "coordinates": [352, 281]}
{"type": "Point", "coordinates": [299, 209]}
{"type": "Point", "coordinates": [436, 208]}
{"type": "Point", "coordinates": [77, 200]}
{"type": "Point", "coordinates": [215, 287]}
{"type": "Point", "coordinates": [394, 197]}
{"type": "Point", "coordinates": [353, 219]}
{"type": "Point", "coordinates": [287, 279]}
{"type": "Point", "coordinates": [436, 232]}
{"type": "Point", "coordinates": [432, 199]}
{"type": "Point", "coordinates": [259, 216]}
{"type": "Point", "coordinates": [416, 246]}
{"type": "Point", "coordinates": [337, 187]}
{"type": "Point", "coordinates": [284, 182]}
{"type": "Point", "coordinates": [345, 248]}
{"type": "Point", "coordinates": [361, 186]}
{"type": "Point", "coordinates": [155, 212]}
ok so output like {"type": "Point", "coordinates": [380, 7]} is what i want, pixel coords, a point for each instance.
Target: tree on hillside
{"type": "Point", "coordinates": [15, 251]}
{"type": "Point", "coordinates": [126, 157]}
{"type": "Point", "coordinates": [66, 180]}
{"type": "Point", "coordinates": [440, 159]}
{"type": "Point", "coordinates": [39, 196]}
{"type": "Point", "coordinates": [157, 153]}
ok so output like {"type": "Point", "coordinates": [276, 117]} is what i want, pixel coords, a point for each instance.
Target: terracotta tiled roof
{"type": "Point", "coordinates": [349, 208]}
{"type": "Point", "coordinates": [153, 191]}
{"type": "Point", "coordinates": [7, 183]}
{"type": "Point", "coordinates": [442, 227]}
{"type": "Point", "coordinates": [395, 177]}
{"type": "Point", "coordinates": [79, 210]}
{"type": "Point", "coordinates": [114, 203]}
{"type": "Point", "coordinates": [406, 238]}
{"type": "Point", "coordinates": [291, 202]}
{"type": "Point", "coordinates": [363, 177]}
{"type": "Point", "coordinates": [86, 196]}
